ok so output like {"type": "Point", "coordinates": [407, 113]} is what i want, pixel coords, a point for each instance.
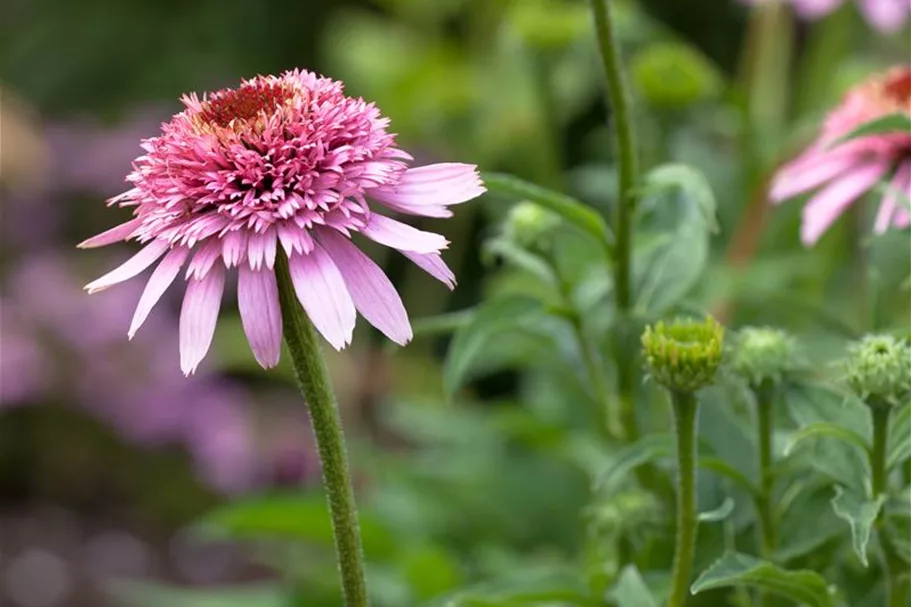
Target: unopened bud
{"type": "Point", "coordinates": [684, 355]}
{"type": "Point", "coordinates": [763, 354]}
{"type": "Point", "coordinates": [528, 224]}
{"type": "Point", "coordinates": [878, 367]}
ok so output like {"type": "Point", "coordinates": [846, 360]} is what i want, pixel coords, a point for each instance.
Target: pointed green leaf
{"type": "Point", "coordinates": [803, 586]}
{"type": "Point", "coordinates": [722, 468]}
{"type": "Point", "coordinates": [629, 458]}
{"type": "Point", "coordinates": [491, 321]}
{"type": "Point", "coordinates": [689, 180]}
{"type": "Point", "coordinates": [893, 123]}
{"type": "Point", "coordinates": [571, 210]}
{"type": "Point", "coordinates": [522, 259]}
{"type": "Point", "coordinates": [899, 437]}
{"type": "Point", "coordinates": [631, 591]}
{"type": "Point", "coordinates": [718, 514]}
{"type": "Point", "coordinates": [860, 513]}
{"type": "Point", "coordinates": [830, 430]}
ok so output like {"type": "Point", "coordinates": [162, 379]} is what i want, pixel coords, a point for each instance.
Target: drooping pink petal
{"type": "Point", "coordinates": [432, 185]}
{"type": "Point", "coordinates": [403, 237]}
{"type": "Point", "coordinates": [260, 313]}
{"type": "Point", "coordinates": [886, 15]}
{"type": "Point", "coordinates": [204, 259]}
{"type": "Point", "coordinates": [261, 249]}
{"type": "Point", "coordinates": [808, 172]}
{"type": "Point", "coordinates": [115, 234]}
{"type": "Point", "coordinates": [321, 290]}
{"type": "Point", "coordinates": [198, 317]}
{"type": "Point", "coordinates": [433, 264]}
{"type": "Point", "coordinates": [900, 185]}
{"type": "Point", "coordinates": [374, 295]}
{"type": "Point", "coordinates": [158, 283]}
{"type": "Point", "coordinates": [826, 206]}
{"type": "Point", "coordinates": [133, 266]}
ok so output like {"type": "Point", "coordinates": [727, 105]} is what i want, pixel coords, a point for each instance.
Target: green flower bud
{"type": "Point", "coordinates": [763, 354]}
{"type": "Point", "coordinates": [878, 368]}
{"type": "Point", "coordinates": [684, 355]}
{"type": "Point", "coordinates": [673, 75]}
{"type": "Point", "coordinates": [527, 224]}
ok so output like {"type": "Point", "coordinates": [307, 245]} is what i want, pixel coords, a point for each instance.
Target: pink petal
{"type": "Point", "coordinates": [423, 211]}
{"type": "Point", "coordinates": [433, 185]}
{"type": "Point", "coordinates": [401, 236]}
{"type": "Point", "coordinates": [825, 207]}
{"type": "Point", "coordinates": [115, 234]}
{"type": "Point", "coordinates": [808, 172]}
{"type": "Point", "coordinates": [321, 289]}
{"type": "Point", "coordinates": [158, 283]}
{"type": "Point", "coordinates": [133, 266]}
{"type": "Point", "coordinates": [233, 248]}
{"type": "Point", "coordinates": [198, 317]}
{"type": "Point", "coordinates": [901, 184]}
{"type": "Point", "coordinates": [260, 313]}
{"type": "Point", "coordinates": [373, 294]}
{"type": "Point", "coordinates": [204, 258]}
{"type": "Point", "coordinates": [434, 265]}
{"type": "Point", "coordinates": [261, 249]}
{"type": "Point", "coordinates": [886, 15]}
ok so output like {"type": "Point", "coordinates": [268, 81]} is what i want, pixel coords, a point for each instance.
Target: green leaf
{"type": "Point", "coordinates": [441, 324]}
{"type": "Point", "coordinates": [527, 588]}
{"type": "Point", "coordinates": [860, 514]}
{"type": "Point", "coordinates": [691, 182]}
{"type": "Point", "coordinates": [666, 275]}
{"type": "Point", "coordinates": [893, 123]}
{"type": "Point", "coordinates": [899, 437]}
{"type": "Point", "coordinates": [629, 458]}
{"type": "Point", "coordinates": [296, 516]}
{"type": "Point", "coordinates": [721, 467]}
{"type": "Point", "coordinates": [571, 210]}
{"type": "Point", "coordinates": [718, 514]}
{"type": "Point", "coordinates": [520, 258]}
{"type": "Point", "coordinates": [631, 591]}
{"type": "Point", "coordinates": [492, 320]}
{"type": "Point", "coordinates": [138, 594]}
{"type": "Point", "coordinates": [803, 586]}
{"type": "Point", "coordinates": [819, 429]}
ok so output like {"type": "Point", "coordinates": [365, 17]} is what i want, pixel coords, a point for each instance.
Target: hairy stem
{"type": "Point", "coordinates": [624, 208]}
{"type": "Point", "coordinates": [768, 534]}
{"type": "Point", "coordinates": [685, 408]}
{"type": "Point", "coordinates": [897, 571]}
{"type": "Point", "coordinates": [315, 385]}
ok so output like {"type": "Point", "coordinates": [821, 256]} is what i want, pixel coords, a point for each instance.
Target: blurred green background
{"type": "Point", "coordinates": [109, 458]}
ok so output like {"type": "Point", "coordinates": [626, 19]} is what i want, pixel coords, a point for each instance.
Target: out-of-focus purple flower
{"type": "Point", "coordinates": [885, 15]}
{"type": "Point", "coordinates": [21, 361]}
{"type": "Point", "coordinates": [286, 161]}
{"type": "Point", "coordinates": [850, 169]}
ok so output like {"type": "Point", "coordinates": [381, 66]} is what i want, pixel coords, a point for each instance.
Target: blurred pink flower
{"type": "Point", "coordinates": [287, 161]}
{"type": "Point", "coordinates": [849, 170]}
{"type": "Point", "coordinates": [885, 15]}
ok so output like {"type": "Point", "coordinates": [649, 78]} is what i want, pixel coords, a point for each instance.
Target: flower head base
{"type": "Point", "coordinates": [763, 354]}
{"type": "Point", "coordinates": [684, 355]}
{"type": "Point", "coordinates": [847, 170]}
{"type": "Point", "coordinates": [878, 369]}
{"type": "Point", "coordinates": [290, 162]}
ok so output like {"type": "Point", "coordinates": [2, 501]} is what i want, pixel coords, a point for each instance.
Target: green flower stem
{"type": "Point", "coordinates": [765, 409]}
{"type": "Point", "coordinates": [897, 570]}
{"type": "Point", "coordinates": [898, 574]}
{"type": "Point", "coordinates": [624, 209]}
{"type": "Point", "coordinates": [313, 381]}
{"type": "Point", "coordinates": [685, 409]}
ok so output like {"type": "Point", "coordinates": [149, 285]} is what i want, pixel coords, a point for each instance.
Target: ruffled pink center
{"type": "Point", "coordinates": [245, 102]}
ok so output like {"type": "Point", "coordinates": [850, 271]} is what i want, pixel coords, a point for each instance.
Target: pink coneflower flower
{"type": "Point", "coordinates": [850, 169]}
{"type": "Point", "coordinates": [885, 15]}
{"type": "Point", "coordinates": [284, 161]}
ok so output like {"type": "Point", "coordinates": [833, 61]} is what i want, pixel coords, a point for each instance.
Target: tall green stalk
{"type": "Point", "coordinates": [315, 385]}
{"type": "Point", "coordinates": [624, 208]}
{"type": "Point", "coordinates": [897, 572]}
{"type": "Point", "coordinates": [685, 408]}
